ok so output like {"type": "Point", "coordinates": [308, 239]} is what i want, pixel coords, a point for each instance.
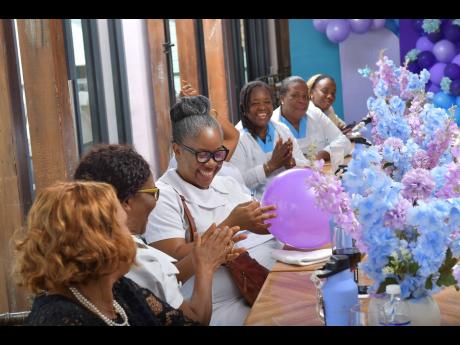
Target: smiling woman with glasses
{"type": "Point", "coordinates": [195, 195]}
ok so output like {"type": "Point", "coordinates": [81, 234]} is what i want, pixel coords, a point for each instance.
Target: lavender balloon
{"type": "Point", "coordinates": [433, 88]}
{"type": "Point", "coordinates": [360, 26]}
{"type": "Point", "coordinates": [299, 222]}
{"type": "Point", "coordinates": [424, 44]}
{"type": "Point", "coordinates": [378, 24]}
{"type": "Point", "coordinates": [338, 30]}
{"type": "Point", "coordinates": [437, 72]}
{"type": "Point", "coordinates": [321, 24]}
{"type": "Point", "coordinates": [456, 59]}
{"type": "Point", "coordinates": [444, 51]}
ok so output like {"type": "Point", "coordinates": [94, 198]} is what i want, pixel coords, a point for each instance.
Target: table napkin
{"type": "Point", "coordinates": [301, 258]}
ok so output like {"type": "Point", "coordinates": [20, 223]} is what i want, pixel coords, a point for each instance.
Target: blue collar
{"type": "Point", "coordinates": [268, 145]}
{"type": "Point", "coordinates": [302, 132]}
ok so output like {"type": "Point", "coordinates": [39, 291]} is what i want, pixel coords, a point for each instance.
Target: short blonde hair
{"type": "Point", "coordinates": [72, 237]}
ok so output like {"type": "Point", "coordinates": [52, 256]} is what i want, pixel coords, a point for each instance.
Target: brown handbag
{"type": "Point", "coordinates": [248, 275]}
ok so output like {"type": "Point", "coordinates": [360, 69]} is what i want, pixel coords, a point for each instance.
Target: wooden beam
{"type": "Point", "coordinates": [51, 123]}
{"type": "Point", "coordinates": [215, 64]}
{"type": "Point", "coordinates": [15, 189]}
{"type": "Point", "coordinates": [187, 50]}
{"type": "Point", "coordinates": [160, 82]}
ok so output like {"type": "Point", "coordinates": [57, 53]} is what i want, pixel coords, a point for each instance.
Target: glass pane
{"type": "Point", "coordinates": [175, 56]}
{"type": "Point", "coordinates": [82, 83]}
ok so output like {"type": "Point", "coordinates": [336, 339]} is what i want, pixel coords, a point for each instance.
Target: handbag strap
{"type": "Point", "coordinates": [188, 215]}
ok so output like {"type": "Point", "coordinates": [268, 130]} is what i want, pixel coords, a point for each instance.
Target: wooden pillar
{"type": "Point", "coordinates": [160, 82]}
{"type": "Point", "coordinates": [51, 124]}
{"type": "Point", "coordinates": [188, 54]}
{"type": "Point", "coordinates": [215, 64]}
{"type": "Point", "coordinates": [15, 189]}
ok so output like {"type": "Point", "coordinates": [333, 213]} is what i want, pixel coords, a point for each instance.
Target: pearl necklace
{"type": "Point", "coordinates": [82, 299]}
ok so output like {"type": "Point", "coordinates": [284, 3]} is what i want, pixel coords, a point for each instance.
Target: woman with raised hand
{"type": "Point", "coordinates": [313, 130]}
{"type": "Point", "coordinates": [265, 148]}
{"type": "Point", "coordinates": [129, 173]}
{"type": "Point", "coordinates": [74, 256]}
{"type": "Point", "coordinates": [193, 196]}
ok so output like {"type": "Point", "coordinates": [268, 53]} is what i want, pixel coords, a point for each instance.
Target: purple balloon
{"type": "Point", "coordinates": [437, 72]}
{"type": "Point", "coordinates": [433, 88]}
{"type": "Point", "coordinates": [456, 59]}
{"type": "Point", "coordinates": [451, 31]}
{"type": "Point", "coordinates": [455, 87]}
{"type": "Point", "coordinates": [378, 24]}
{"type": "Point", "coordinates": [417, 25]}
{"type": "Point", "coordinates": [300, 223]}
{"type": "Point", "coordinates": [444, 51]}
{"type": "Point", "coordinates": [452, 71]}
{"type": "Point", "coordinates": [338, 30]}
{"type": "Point", "coordinates": [414, 67]}
{"type": "Point", "coordinates": [360, 26]}
{"type": "Point", "coordinates": [435, 36]}
{"type": "Point", "coordinates": [320, 24]}
{"type": "Point", "coordinates": [426, 59]}
{"type": "Point", "coordinates": [423, 43]}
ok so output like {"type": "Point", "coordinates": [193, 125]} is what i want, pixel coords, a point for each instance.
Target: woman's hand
{"type": "Point", "coordinates": [281, 156]}
{"type": "Point", "coordinates": [187, 90]}
{"type": "Point", "coordinates": [215, 247]}
{"type": "Point", "coordinates": [251, 216]}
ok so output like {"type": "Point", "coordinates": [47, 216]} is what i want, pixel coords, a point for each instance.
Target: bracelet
{"type": "Point", "coordinates": [267, 169]}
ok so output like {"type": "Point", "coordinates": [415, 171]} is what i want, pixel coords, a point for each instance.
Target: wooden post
{"type": "Point", "coordinates": [15, 189]}
{"type": "Point", "coordinates": [215, 65]}
{"type": "Point", "coordinates": [187, 50]}
{"type": "Point", "coordinates": [51, 123]}
{"type": "Point", "coordinates": [160, 82]}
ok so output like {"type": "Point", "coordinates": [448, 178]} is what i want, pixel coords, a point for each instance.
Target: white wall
{"type": "Point", "coordinates": [140, 89]}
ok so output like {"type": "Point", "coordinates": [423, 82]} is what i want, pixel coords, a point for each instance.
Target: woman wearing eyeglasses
{"type": "Point", "coordinates": [128, 172]}
{"type": "Point", "coordinates": [200, 153]}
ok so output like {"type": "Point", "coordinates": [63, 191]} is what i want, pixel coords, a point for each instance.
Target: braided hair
{"type": "Point", "coordinates": [245, 97]}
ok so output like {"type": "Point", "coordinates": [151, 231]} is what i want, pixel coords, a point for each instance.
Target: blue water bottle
{"type": "Point", "coordinates": [339, 291]}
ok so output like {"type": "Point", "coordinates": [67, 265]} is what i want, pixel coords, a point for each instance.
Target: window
{"type": "Point", "coordinates": [97, 79]}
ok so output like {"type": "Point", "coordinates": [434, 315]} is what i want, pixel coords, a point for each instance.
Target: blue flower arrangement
{"type": "Point", "coordinates": [405, 189]}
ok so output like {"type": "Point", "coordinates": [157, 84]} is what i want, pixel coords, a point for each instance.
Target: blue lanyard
{"type": "Point", "coordinates": [302, 132]}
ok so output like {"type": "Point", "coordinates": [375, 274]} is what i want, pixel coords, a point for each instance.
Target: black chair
{"type": "Point", "coordinates": [13, 319]}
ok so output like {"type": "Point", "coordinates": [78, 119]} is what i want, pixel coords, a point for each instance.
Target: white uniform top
{"type": "Point", "coordinates": [321, 132]}
{"type": "Point", "coordinates": [250, 158]}
{"type": "Point", "coordinates": [207, 206]}
{"type": "Point", "coordinates": [156, 272]}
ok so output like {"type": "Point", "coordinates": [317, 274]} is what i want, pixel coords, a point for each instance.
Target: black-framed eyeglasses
{"type": "Point", "coordinates": [204, 156]}
{"type": "Point", "coordinates": [152, 191]}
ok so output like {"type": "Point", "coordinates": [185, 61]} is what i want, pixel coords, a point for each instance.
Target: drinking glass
{"type": "Point", "coordinates": [358, 315]}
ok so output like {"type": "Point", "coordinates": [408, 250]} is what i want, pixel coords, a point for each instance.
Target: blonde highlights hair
{"type": "Point", "coordinates": [72, 237]}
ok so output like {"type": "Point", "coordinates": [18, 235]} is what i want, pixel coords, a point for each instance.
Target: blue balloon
{"type": "Point", "coordinates": [443, 100]}
{"type": "Point", "coordinates": [458, 101]}
{"type": "Point", "coordinates": [457, 116]}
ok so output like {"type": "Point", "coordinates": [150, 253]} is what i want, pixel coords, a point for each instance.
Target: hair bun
{"type": "Point", "coordinates": [189, 106]}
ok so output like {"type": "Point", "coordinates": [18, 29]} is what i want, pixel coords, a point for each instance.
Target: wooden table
{"type": "Point", "coordinates": [288, 298]}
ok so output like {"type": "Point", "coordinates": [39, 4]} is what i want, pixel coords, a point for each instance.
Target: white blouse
{"type": "Point", "coordinates": [250, 158]}
{"type": "Point", "coordinates": [321, 131]}
{"type": "Point", "coordinates": [156, 271]}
